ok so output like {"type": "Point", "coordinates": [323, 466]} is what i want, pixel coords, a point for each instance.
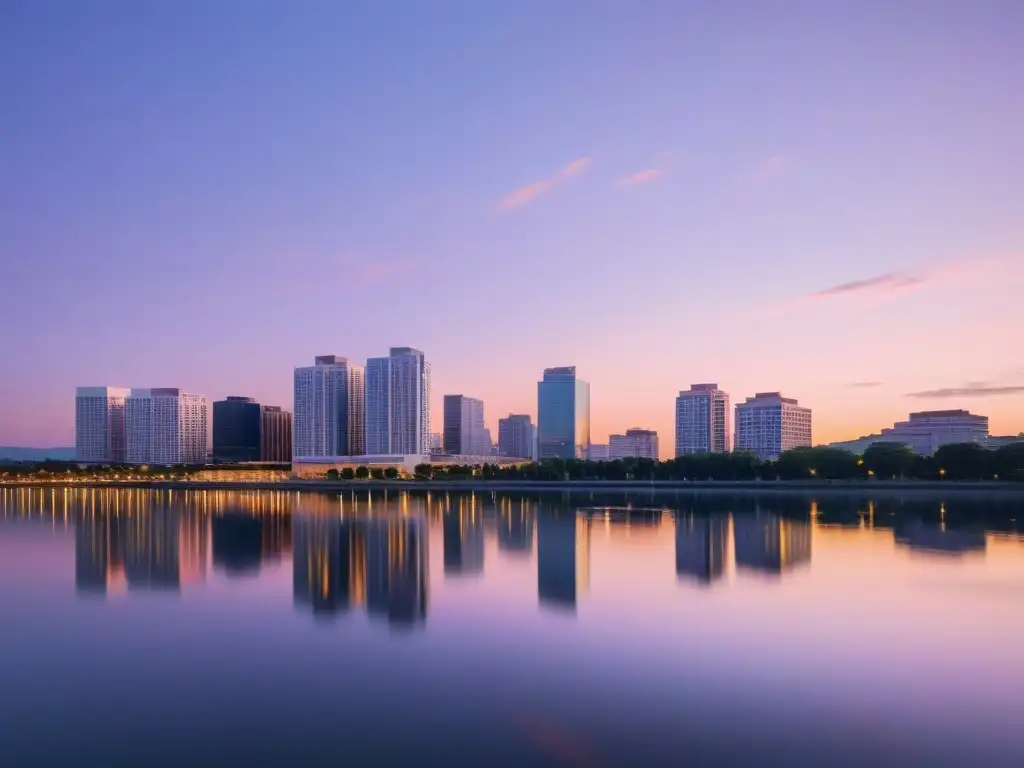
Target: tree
{"type": "Point", "coordinates": [423, 472]}
{"type": "Point", "coordinates": [362, 472]}
{"type": "Point", "coordinates": [890, 460]}
{"type": "Point", "coordinates": [964, 461]}
{"type": "Point", "coordinates": [1008, 462]}
{"type": "Point", "coordinates": [332, 474]}
{"type": "Point", "coordinates": [348, 473]}
{"type": "Point", "coordinates": [391, 473]}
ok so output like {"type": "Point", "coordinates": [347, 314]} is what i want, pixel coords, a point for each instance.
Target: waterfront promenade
{"type": "Point", "coordinates": [663, 487]}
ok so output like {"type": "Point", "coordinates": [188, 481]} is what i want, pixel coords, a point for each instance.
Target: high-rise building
{"type": "Point", "coordinates": [563, 414]}
{"type": "Point", "coordinates": [517, 436]}
{"type": "Point", "coordinates": [99, 424]}
{"type": "Point", "coordinates": [702, 420]}
{"type": "Point", "coordinates": [926, 431]}
{"type": "Point", "coordinates": [768, 424]}
{"type": "Point", "coordinates": [398, 403]}
{"type": "Point", "coordinates": [275, 434]}
{"type": "Point", "coordinates": [464, 430]}
{"type": "Point", "coordinates": [244, 430]}
{"type": "Point", "coordinates": [598, 452]}
{"type": "Point", "coordinates": [165, 426]}
{"type": "Point", "coordinates": [329, 409]}
{"type": "Point", "coordinates": [236, 429]}
{"type": "Point", "coordinates": [635, 444]}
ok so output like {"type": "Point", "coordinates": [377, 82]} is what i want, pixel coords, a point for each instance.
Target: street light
{"type": "Point", "coordinates": [942, 474]}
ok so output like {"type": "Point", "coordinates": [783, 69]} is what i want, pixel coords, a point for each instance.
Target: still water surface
{"type": "Point", "coordinates": [274, 628]}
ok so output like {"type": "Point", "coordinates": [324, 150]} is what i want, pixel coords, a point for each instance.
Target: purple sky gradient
{"type": "Point", "coordinates": [772, 196]}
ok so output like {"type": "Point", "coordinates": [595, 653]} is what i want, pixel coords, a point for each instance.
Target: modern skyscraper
{"type": "Point", "coordinates": [165, 426]}
{"type": "Point", "coordinates": [329, 409]}
{"type": "Point", "coordinates": [563, 414]}
{"type": "Point", "coordinates": [702, 420]}
{"type": "Point", "coordinates": [236, 429]}
{"type": "Point", "coordinates": [275, 434]}
{"type": "Point", "coordinates": [635, 444]}
{"type": "Point", "coordinates": [516, 436]}
{"type": "Point", "coordinates": [99, 424]}
{"type": "Point", "coordinates": [464, 430]}
{"type": "Point", "coordinates": [769, 424]}
{"type": "Point", "coordinates": [398, 403]}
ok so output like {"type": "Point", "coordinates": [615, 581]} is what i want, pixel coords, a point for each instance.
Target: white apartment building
{"type": "Point", "coordinates": [329, 415]}
{"type": "Point", "coordinates": [99, 424]}
{"type": "Point", "coordinates": [768, 424]}
{"type": "Point", "coordinates": [926, 431]}
{"type": "Point", "coordinates": [702, 420]}
{"type": "Point", "coordinates": [635, 444]}
{"type": "Point", "coordinates": [166, 426]}
{"type": "Point", "coordinates": [398, 403]}
{"type": "Point", "coordinates": [597, 452]}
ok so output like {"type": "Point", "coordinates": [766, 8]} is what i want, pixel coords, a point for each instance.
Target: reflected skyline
{"type": "Point", "coordinates": [350, 551]}
{"type": "Point", "coordinates": [331, 606]}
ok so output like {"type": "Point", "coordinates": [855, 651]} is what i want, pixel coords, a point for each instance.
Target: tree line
{"type": "Point", "coordinates": [881, 461]}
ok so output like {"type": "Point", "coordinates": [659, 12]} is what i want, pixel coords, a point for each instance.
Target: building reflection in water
{"type": "Point", "coordinates": [515, 525]}
{"type": "Point", "coordinates": [938, 539]}
{"type": "Point", "coordinates": [770, 544]}
{"type": "Point", "coordinates": [243, 543]}
{"type": "Point", "coordinates": [701, 547]}
{"type": "Point", "coordinates": [99, 555]}
{"type": "Point", "coordinates": [339, 564]}
{"type": "Point", "coordinates": [151, 550]}
{"type": "Point", "coordinates": [463, 529]}
{"type": "Point", "coordinates": [563, 557]}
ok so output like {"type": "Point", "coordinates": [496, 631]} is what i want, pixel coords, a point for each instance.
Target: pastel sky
{"type": "Point", "coordinates": [821, 198]}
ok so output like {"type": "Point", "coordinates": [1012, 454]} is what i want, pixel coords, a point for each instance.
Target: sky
{"type": "Point", "coordinates": [824, 199]}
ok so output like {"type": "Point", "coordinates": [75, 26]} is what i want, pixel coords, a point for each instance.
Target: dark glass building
{"type": "Point", "coordinates": [244, 430]}
{"type": "Point", "coordinates": [563, 415]}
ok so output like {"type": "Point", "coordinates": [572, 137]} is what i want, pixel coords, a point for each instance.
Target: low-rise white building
{"type": "Point", "coordinates": [635, 444]}
{"type": "Point", "coordinates": [319, 466]}
{"type": "Point", "coordinates": [926, 431]}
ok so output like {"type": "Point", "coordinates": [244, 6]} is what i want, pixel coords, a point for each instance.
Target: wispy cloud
{"type": "Point", "coordinates": [977, 389]}
{"type": "Point", "coordinates": [642, 177]}
{"type": "Point", "coordinates": [865, 384]}
{"type": "Point", "coordinates": [771, 168]}
{"type": "Point", "coordinates": [525, 194]}
{"type": "Point", "coordinates": [888, 283]}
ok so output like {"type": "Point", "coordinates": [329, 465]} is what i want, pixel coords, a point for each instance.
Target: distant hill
{"type": "Point", "coordinates": [11, 453]}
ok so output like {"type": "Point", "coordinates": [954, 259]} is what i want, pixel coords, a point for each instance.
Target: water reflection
{"type": "Point", "coordinates": [769, 544]}
{"type": "Point", "coordinates": [378, 564]}
{"type": "Point", "coordinates": [563, 558]}
{"type": "Point", "coordinates": [878, 656]}
{"type": "Point", "coordinates": [370, 551]}
{"type": "Point", "coordinates": [701, 547]}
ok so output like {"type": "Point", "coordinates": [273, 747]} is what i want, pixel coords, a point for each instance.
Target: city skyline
{"type": "Point", "coordinates": [797, 171]}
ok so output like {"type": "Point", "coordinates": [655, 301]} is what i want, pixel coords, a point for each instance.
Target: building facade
{"type": "Point", "coordinates": [927, 431]}
{"type": "Point", "coordinates": [275, 434]}
{"type": "Point", "coordinates": [464, 430]}
{"type": "Point", "coordinates": [165, 426]}
{"type": "Point", "coordinates": [329, 408]}
{"type": "Point", "coordinates": [563, 415]}
{"type": "Point", "coordinates": [236, 429]}
{"type": "Point", "coordinates": [517, 436]}
{"type": "Point", "coordinates": [635, 444]}
{"type": "Point", "coordinates": [398, 403]}
{"type": "Point", "coordinates": [598, 452]}
{"type": "Point", "coordinates": [768, 424]}
{"type": "Point", "coordinates": [702, 420]}
{"type": "Point", "coordinates": [99, 424]}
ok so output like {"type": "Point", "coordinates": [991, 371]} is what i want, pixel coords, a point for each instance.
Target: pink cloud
{"type": "Point", "coordinates": [523, 195]}
{"type": "Point", "coordinates": [642, 177]}
{"type": "Point", "coordinates": [771, 168]}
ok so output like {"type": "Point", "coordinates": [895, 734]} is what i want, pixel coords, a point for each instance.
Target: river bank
{"type": "Point", "coordinates": [802, 487]}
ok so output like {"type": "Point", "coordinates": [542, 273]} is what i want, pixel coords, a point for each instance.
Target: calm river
{"type": "Point", "coordinates": [208, 628]}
